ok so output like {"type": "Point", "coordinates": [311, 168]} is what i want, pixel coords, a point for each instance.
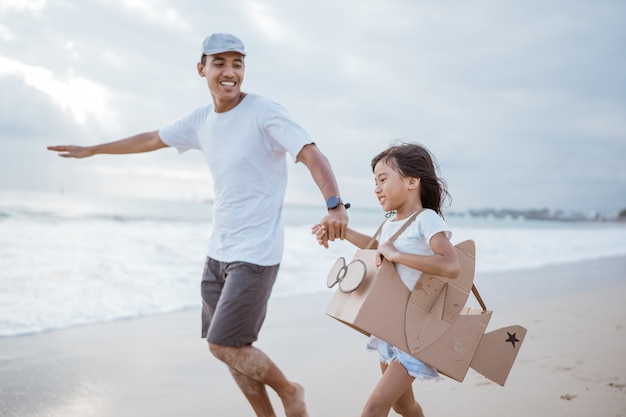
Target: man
{"type": "Point", "coordinates": [245, 138]}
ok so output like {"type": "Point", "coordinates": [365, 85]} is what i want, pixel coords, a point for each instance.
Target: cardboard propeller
{"type": "Point", "coordinates": [349, 277]}
{"type": "Point", "coordinates": [431, 322]}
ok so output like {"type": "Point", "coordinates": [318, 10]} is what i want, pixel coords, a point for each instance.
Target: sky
{"type": "Point", "coordinates": [523, 103]}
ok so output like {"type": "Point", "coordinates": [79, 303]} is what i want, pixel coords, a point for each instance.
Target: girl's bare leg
{"type": "Point", "coordinates": [393, 390]}
{"type": "Point", "coordinates": [406, 405]}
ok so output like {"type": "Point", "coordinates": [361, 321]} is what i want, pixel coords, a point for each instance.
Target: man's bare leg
{"type": "Point", "coordinates": [255, 393]}
{"type": "Point", "coordinates": [256, 365]}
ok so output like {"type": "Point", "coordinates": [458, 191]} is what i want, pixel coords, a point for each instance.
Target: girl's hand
{"type": "Point", "coordinates": [388, 251]}
{"type": "Point", "coordinates": [321, 234]}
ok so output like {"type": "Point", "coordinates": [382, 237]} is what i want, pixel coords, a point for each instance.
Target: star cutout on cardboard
{"type": "Point", "coordinates": [512, 338]}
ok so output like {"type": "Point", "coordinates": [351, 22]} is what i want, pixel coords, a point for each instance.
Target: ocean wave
{"type": "Point", "coordinates": [65, 264]}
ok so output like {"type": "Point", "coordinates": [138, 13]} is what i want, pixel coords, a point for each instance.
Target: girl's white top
{"type": "Point", "coordinates": [414, 239]}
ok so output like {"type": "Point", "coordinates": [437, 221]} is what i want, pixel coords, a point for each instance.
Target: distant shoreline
{"type": "Point", "coordinates": [545, 214]}
{"type": "Point", "coordinates": [571, 215]}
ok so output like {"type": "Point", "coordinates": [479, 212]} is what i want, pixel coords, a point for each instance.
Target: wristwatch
{"type": "Point", "coordinates": [334, 202]}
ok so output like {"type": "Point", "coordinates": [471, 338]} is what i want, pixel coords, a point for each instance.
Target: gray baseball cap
{"type": "Point", "coordinates": [222, 42]}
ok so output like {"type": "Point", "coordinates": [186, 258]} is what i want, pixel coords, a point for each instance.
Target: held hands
{"type": "Point", "coordinates": [66, 151]}
{"type": "Point", "coordinates": [332, 226]}
{"type": "Point", "coordinates": [386, 250]}
{"type": "Point", "coordinates": [320, 234]}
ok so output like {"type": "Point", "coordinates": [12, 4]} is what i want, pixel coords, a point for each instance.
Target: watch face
{"type": "Point", "coordinates": [333, 202]}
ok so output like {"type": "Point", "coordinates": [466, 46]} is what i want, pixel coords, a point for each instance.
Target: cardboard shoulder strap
{"type": "Point", "coordinates": [479, 298]}
{"type": "Point", "coordinates": [402, 229]}
{"type": "Point", "coordinates": [395, 235]}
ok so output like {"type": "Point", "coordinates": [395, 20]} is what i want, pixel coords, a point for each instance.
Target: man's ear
{"type": "Point", "coordinates": [200, 69]}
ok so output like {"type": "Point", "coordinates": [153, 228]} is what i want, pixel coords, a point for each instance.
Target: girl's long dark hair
{"type": "Point", "coordinates": [415, 161]}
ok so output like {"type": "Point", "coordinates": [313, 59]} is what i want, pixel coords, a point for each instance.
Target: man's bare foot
{"type": "Point", "coordinates": [294, 403]}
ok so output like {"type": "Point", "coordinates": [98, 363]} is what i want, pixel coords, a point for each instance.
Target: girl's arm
{"type": "Point", "coordinates": [443, 262]}
{"type": "Point", "coordinates": [358, 239]}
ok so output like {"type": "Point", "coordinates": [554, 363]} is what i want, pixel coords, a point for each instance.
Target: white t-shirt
{"type": "Point", "coordinates": [414, 239]}
{"type": "Point", "coordinates": [245, 149]}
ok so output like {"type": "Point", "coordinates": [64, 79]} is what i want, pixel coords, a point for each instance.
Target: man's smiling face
{"type": "Point", "coordinates": [224, 73]}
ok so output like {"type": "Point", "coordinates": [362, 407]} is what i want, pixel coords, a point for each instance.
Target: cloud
{"type": "Point", "coordinates": [81, 97]}
{"type": "Point", "coordinates": [523, 103]}
{"type": "Point", "coordinates": [20, 5]}
{"type": "Point", "coordinates": [30, 114]}
{"type": "Point", "coordinates": [263, 16]}
{"type": "Point", "coordinates": [158, 12]}
{"type": "Point", "coordinates": [6, 34]}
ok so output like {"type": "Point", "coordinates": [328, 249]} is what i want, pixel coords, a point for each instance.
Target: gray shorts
{"type": "Point", "coordinates": [234, 301]}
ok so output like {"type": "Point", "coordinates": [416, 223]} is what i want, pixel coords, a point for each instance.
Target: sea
{"type": "Point", "coordinates": [74, 259]}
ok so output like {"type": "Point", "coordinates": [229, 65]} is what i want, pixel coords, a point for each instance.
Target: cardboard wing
{"type": "Point", "coordinates": [452, 353]}
{"type": "Point", "coordinates": [436, 302]}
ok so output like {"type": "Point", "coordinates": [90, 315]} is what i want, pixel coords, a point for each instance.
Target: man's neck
{"type": "Point", "coordinates": [222, 106]}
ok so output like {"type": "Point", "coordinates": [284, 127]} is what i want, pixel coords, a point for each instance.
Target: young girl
{"type": "Point", "coordinates": [406, 183]}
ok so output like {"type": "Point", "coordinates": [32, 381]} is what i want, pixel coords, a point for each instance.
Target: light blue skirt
{"type": "Point", "coordinates": [414, 367]}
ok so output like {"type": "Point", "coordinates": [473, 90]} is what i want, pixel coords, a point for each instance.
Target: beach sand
{"type": "Point", "coordinates": [572, 363]}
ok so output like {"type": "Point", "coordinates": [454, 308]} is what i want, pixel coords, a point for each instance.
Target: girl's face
{"type": "Point", "coordinates": [392, 190]}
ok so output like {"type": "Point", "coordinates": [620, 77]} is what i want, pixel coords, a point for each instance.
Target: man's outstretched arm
{"type": "Point", "coordinates": [143, 142]}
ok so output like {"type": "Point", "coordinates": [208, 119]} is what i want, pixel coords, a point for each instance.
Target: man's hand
{"type": "Point", "coordinates": [332, 226]}
{"type": "Point", "coordinates": [70, 151]}
{"type": "Point", "coordinates": [336, 223]}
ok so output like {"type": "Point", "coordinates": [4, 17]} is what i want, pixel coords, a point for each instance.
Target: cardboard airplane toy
{"type": "Point", "coordinates": [431, 322]}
